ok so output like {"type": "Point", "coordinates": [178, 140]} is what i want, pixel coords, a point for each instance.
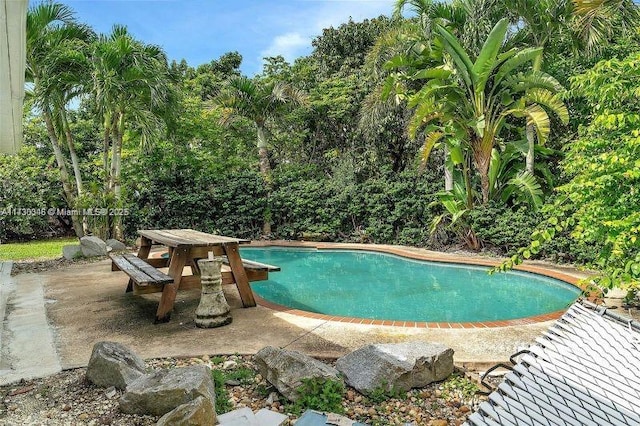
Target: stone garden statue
{"type": "Point", "coordinates": [213, 310]}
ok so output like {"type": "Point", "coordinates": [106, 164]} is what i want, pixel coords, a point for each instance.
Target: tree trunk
{"type": "Point", "coordinates": [105, 151]}
{"type": "Point", "coordinates": [531, 141]}
{"type": "Point", "coordinates": [263, 155]}
{"type": "Point", "coordinates": [448, 175]}
{"type": "Point", "coordinates": [265, 169]}
{"type": "Point", "coordinates": [116, 168]}
{"type": "Point", "coordinates": [62, 167]}
{"type": "Point", "coordinates": [75, 163]}
{"type": "Point", "coordinates": [530, 131]}
{"type": "Point", "coordinates": [482, 160]}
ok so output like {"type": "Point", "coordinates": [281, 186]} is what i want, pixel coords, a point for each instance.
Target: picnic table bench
{"type": "Point", "coordinates": [185, 248]}
{"type": "Point", "coordinates": [139, 271]}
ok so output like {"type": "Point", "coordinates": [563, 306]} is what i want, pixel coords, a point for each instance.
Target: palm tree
{"type": "Point", "coordinates": [260, 102]}
{"type": "Point", "coordinates": [53, 40]}
{"type": "Point", "coordinates": [132, 88]}
{"type": "Point", "coordinates": [466, 103]}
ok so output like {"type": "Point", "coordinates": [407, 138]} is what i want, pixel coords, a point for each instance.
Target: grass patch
{"type": "Point", "coordinates": [319, 394]}
{"type": "Point", "coordinates": [223, 403]}
{"type": "Point", "coordinates": [243, 375]}
{"type": "Point", "coordinates": [40, 249]}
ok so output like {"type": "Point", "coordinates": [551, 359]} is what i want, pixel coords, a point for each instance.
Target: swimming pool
{"type": "Point", "coordinates": [381, 286]}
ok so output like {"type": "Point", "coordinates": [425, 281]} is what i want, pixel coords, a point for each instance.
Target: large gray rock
{"type": "Point", "coordinates": [396, 366]}
{"type": "Point", "coordinates": [160, 392]}
{"type": "Point", "coordinates": [93, 246]}
{"type": "Point", "coordinates": [199, 412]}
{"type": "Point", "coordinates": [285, 369]}
{"type": "Point", "coordinates": [113, 364]}
{"type": "Point", "coordinates": [115, 245]}
{"type": "Point", "coordinates": [71, 252]}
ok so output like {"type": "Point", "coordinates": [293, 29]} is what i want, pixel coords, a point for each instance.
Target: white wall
{"type": "Point", "coordinates": [13, 15]}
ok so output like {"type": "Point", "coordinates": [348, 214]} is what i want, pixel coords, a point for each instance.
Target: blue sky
{"type": "Point", "coordinates": [202, 30]}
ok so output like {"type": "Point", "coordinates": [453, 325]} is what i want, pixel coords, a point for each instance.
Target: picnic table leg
{"type": "Point", "coordinates": [179, 259]}
{"type": "Point", "coordinates": [239, 274]}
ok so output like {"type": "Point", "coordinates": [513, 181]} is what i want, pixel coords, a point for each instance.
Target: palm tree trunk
{"type": "Point", "coordinates": [531, 141]}
{"type": "Point", "coordinates": [482, 160]}
{"type": "Point", "coordinates": [263, 155]}
{"type": "Point", "coordinates": [114, 174]}
{"type": "Point", "coordinates": [530, 131]}
{"type": "Point", "coordinates": [117, 188]}
{"type": "Point", "coordinates": [105, 151]}
{"type": "Point", "coordinates": [75, 163]}
{"type": "Point", "coordinates": [265, 169]}
{"type": "Point", "coordinates": [448, 175]}
{"type": "Point", "coordinates": [62, 167]}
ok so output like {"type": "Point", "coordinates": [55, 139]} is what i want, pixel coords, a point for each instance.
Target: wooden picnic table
{"type": "Point", "coordinates": [186, 247]}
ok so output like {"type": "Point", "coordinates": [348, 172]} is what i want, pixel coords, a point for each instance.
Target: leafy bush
{"type": "Point", "coordinates": [382, 209]}
{"type": "Point", "coordinates": [27, 181]}
{"type": "Point", "coordinates": [502, 228]}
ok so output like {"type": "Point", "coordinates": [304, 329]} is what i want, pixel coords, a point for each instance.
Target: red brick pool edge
{"type": "Point", "coordinates": [417, 255]}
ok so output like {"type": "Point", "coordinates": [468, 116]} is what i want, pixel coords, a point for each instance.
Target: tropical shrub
{"type": "Point", "coordinates": [598, 205]}
{"type": "Point", "coordinates": [28, 182]}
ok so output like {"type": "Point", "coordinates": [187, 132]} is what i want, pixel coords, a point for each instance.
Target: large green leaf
{"type": "Point", "coordinates": [549, 100]}
{"type": "Point", "coordinates": [464, 66]}
{"type": "Point", "coordinates": [431, 73]}
{"type": "Point", "coordinates": [486, 60]}
{"type": "Point", "coordinates": [525, 186]}
{"type": "Point", "coordinates": [537, 116]}
{"type": "Point", "coordinates": [521, 82]}
{"type": "Point", "coordinates": [519, 59]}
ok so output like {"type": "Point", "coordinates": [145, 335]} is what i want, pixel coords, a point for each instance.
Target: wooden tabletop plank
{"type": "Point", "coordinates": [187, 237]}
{"type": "Point", "coordinates": [160, 236]}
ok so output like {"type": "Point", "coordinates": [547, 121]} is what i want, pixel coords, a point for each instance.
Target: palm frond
{"type": "Point", "coordinates": [429, 142]}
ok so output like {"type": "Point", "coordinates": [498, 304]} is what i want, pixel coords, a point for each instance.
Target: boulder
{"type": "Point", "coordinates": [72, 251]}
{"type": "Point", "coordinates": [199, 412]}
{"type": "Point", "coordinates": [93, 246]}
{"type": "Point", "coordinates": [115, 245]}
{"type": "Point", "coordinates": [285, 369]}
{"type": "Point", "coordinates": [162, 391]}
{"type": "Point", "coordinates": [396, 366]}
{"type": "Point", "coordinates": [113, 364]}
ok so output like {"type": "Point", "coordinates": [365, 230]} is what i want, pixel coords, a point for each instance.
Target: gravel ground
{"type": "Point", "coordinates": [68, 398]}
{"type": "Point", "coordinates": [36, 266]}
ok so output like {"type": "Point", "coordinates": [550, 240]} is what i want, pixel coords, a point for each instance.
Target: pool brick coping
{"type": "Point", "coordinates": [431, 256]}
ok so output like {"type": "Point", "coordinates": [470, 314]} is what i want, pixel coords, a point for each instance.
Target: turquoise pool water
{"type": "Point", "coordinates": [387, 287]}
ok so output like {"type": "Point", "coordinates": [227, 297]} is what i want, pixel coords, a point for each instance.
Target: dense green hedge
{"type": "Point", "coordinates": [505, 229]}
{"type": "Point", "coordinates": [302, 204]}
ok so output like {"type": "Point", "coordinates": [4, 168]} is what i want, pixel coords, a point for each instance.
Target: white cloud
{"type": "Point", "coordinates": [289, 45]}
{"type": "Point", "coordinates": [317, 15]}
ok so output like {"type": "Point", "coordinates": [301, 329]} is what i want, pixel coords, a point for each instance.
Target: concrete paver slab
{"type": "Point", "coordinates": [267, 417]}
{"type": "Point", "coordinates": [27, 348]}
{"type": "Point", "coordinates": [240, 417]}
